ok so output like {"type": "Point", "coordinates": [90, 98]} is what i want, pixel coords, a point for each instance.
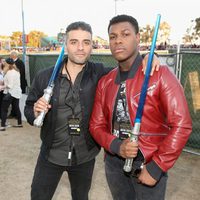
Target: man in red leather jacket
{"type": "Point", "coordinates": [165, 125]}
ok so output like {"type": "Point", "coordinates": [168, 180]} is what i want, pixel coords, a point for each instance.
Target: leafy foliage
{"type": "Point", "coordinates": [192, 35]}
{"type": "Point", "coordinates": [146, 33]}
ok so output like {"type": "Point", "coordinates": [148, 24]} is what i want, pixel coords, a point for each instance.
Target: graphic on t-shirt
{"type": "Point", "coordinates": [122, 125]}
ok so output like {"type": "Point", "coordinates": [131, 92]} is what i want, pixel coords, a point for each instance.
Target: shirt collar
{"type": "Point", "coordinates": [136, 63]}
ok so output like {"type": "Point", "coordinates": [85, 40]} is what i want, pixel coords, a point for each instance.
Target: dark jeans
{"type": "Point", "coordinates": [47, 176]}
{"type": "Point", "coordinates": [1, 100]}
{"type": "Point", "coordinates": [6, 102]}
{"type": "Point", "coordinates": [124, 187]}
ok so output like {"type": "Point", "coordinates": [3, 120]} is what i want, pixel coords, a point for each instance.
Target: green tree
{"type": "Point", "coordinates": [197, 27]}
{"type": "Point", "coordinates": [189, 36]}
{"type": "Point", "coordinates": [193, 32]}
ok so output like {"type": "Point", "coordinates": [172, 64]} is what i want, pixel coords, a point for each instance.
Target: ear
{"type": "Point", "coordinates": [138, 38]}
{"type": "Point", "coordinates": [66, 47]}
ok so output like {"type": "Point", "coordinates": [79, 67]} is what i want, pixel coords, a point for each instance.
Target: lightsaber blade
{"type": "Point", "coordinates": [49, 90]}
{"type": "Point", "coordinates": [137, 123]}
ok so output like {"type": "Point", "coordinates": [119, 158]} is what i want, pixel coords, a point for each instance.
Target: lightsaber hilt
{"type": "Point", "coordinates": [48, 92]}
{"type": "Point", "coordinates": [38, 122]}
{"type": "Point", "coordinates": [134, 138]}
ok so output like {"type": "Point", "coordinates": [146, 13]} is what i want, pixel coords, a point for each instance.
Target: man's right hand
{"type": "Point", "coordinates": [128, 149]}
{"type": "Point", "coordinates": [41, 105]}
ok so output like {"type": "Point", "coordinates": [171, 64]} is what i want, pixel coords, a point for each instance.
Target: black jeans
{"type": "Point", "coordinates": [6, 102]}
{"type": "Point", "coordinates": [47, 176]}
{"type": "Point", "coordinates": [1, 100]}
{"type": "Point", "coordinates": [124, 187]}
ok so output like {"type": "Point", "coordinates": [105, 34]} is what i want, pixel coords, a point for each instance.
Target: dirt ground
{"type": "Point", "coordinates": [19, 148]}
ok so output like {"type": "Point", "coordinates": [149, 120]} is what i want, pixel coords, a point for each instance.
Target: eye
{"type": "Point", "coordinates": [87, 43]}
{"type": "Point", "coordinates": [73, 42]}
{"type": "Point", "coordinates": [125, 34]}
{"type": "Point", "coordinates": [112, 37]}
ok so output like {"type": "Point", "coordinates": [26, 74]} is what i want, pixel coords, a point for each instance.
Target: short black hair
{"type": "Point", "coordinates": [80, 25]}
{"type": "Point", "coordinates": [124, 18]}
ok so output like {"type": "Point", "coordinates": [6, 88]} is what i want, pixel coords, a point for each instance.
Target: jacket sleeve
{"type": "Point", "coordinates": [177, 115]}
{"type": "Point", "coordinates": [36, 91]}
{"type": "Point", "coordinates": [99, 127]}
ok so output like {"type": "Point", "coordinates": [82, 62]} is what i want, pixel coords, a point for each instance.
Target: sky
{"type": "Point", "coordinates": [50, 16]}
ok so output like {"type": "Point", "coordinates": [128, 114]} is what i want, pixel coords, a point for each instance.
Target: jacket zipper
{"type": "Point", "coordinates": [153, 134]}
{"type": "Point", "coordinates": [113, 110]}
{"type": "Point", "coordinates": [133, 126]}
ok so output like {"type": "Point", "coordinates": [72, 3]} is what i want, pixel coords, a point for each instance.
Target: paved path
{"type": "Point", "coordinates": [19, 148]}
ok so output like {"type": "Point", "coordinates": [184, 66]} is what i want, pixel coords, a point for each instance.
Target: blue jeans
{"type": "Point", "coordinates": [47, 176]}
{"type": "Point", "coordinates": [125, 187]}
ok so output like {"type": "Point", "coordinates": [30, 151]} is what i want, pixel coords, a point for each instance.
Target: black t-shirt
{"type": "Point", "coordinates": [121, 119]}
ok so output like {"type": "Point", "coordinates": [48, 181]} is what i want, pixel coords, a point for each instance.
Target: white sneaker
{"type": "Point", "coordinates": [2, 128]}
{"type": "Point", "coordinates": [8, 125]}
{"type": "Point", "coordinates": [18, 126]}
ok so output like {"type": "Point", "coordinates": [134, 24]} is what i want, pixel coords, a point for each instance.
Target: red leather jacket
{"type": "Point", "coordinates": [165, 125]}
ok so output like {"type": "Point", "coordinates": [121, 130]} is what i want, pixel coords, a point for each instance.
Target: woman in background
{"type": "Point", "coordinates": [1, 81]}
{"type": "Point", "coordinates": [12, 93]}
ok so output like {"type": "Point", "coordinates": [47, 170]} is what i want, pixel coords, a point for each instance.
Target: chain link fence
{"type": "Point", "coordinates": [185, 65]}
{"type": "Point", "coordinates": [188, 71]}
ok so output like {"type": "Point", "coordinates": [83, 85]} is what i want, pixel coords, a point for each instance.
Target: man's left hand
{"type": "Point", "coordinates": [155, 64]}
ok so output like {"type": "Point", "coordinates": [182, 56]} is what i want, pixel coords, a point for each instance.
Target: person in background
{"type": "Point", "coordinates": [66, 142]}
{"type": "Point", "coordinates": [165, 125]}
{"type": "Point", "coordinates": [21, 66]}
{"type": "Point", "coordinates": [23, 82]}
{"type": "Point", "coordinates": [12, 93]}
{"type": "Point", "coordinates": [1, 81]}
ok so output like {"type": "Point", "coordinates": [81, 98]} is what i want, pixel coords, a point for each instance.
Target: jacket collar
{"type": "Point", "coordinates": [137, 62]}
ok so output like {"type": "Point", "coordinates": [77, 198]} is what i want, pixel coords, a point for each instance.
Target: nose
{"type": "Point", "coordinates": [118, 39]}
{"type": "Point", "coordinates": [80, 46]}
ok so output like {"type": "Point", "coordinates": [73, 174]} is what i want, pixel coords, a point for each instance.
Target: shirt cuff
{"type": "Point", "coordinates": [154, 170]}
{"type": "Point", "coordinates": [115, 146]}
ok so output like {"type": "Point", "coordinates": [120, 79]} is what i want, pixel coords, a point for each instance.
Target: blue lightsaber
{"type": "Point", "coordinates": [49, 90]}
{"type": "Point", "coordinates": [137, 122]}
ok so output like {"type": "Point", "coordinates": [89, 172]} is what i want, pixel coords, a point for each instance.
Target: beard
{"type": "Point", "coordinates": [78, 61]}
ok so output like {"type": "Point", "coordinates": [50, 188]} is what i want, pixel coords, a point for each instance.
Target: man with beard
{"type": "Point", "coordinates": [66, 142]}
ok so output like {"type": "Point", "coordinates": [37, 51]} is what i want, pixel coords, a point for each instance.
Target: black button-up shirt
{"type": "Point", "coordinates": [69, 105]}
